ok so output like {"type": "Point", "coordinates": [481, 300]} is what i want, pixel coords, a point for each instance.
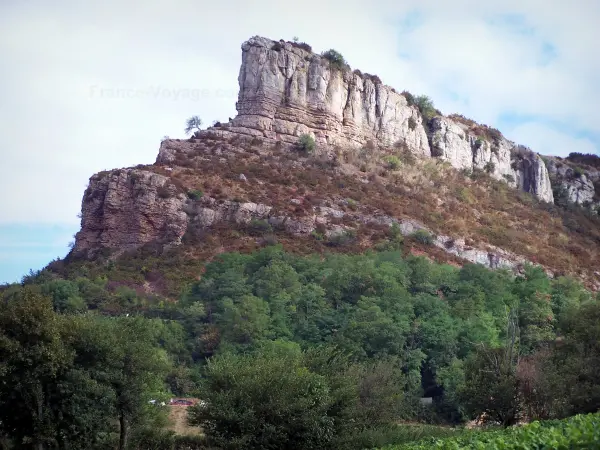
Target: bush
{"type": "Point", "coordinates": [508, 177]}
{"type": "Point", "coordinates": [426, 107]}
{"type": "Point", "coordinates": [489, 167]}
{"type": "Point", "coordinates": [267, 400]}
{"type": "Point", "coordinates": [335, 59]}
{"type": "Point", "coordinates": [578, 172]}
{"type": "Point", "coordinates": [164, 191]}
{"type": "Point", "coordinates": [479, 142]}
{"type": "Point", "coordinates": [423, 237]}
{"type": "Point", "coordinates": [195, 194]}
{"type": "Point", "coordinates": [412, 123]}
{"type": "Point", "coordinates": [259, 227]}
{"type": "Point", "coordinates": [307, 143]}
{"type": "Point", "coordinates": [340, 239]}
{"type": "Point", "coordinates": [393, 162]}
{"type": "Point", "coordinates": [410, 99]}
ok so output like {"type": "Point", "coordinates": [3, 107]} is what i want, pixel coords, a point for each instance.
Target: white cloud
{"type": "Point", "coordinates": [57, 129]}
{"type": "Point", "coordinates": [554, 142]}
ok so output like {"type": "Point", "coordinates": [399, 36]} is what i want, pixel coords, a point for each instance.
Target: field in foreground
{"type": "Point", "coordinates": [578, 432]}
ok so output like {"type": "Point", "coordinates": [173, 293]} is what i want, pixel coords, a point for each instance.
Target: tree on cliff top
{"type": "Point", "coordinates": [193, 123]}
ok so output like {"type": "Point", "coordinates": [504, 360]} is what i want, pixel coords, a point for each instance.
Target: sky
{"type": "Point", "coordinates": [89, 86]}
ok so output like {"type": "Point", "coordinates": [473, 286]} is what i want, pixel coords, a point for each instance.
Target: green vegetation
{"type": "Point", "coordinates": [582, 431]}
{"type": "Point", "coordinates": [306, 143]}
{"type": "Point", "coordinates": [489, 167]}
{"type": "Point", "coordinates": [325, 351]}
{"type": "Point", "coordinates": [426, 107]}
{"type": "Point", "coordinates": [393, 162]}
{"type": "Point", "coordinates": [336, 59]}
{"type": "Point", "coordinates": [412, 123]}
{"type": "Point", "coordinates": [423, 237]}
{"type": "Point", "coordinates": [195, 194]}
{"type": "Point", "coordinates": [193, 123]}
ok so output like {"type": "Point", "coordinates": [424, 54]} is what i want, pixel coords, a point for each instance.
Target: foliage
{"type": "Point", "coordinates": [582, 431]}
{"type": "Point", "coordinates": [423, 236]}
{"type": "Point", "coordinates": [341, 347]}
{"type": "Point", "coordinates": [195, 194]}
{"type": "Point", "coordinates": [393, 162]}
{"type": "Point", "coordinates": [410, 99]}
{"type": "Point", "coordinates": [259, 227]}
{"type": "Point", "coordinates": [336, 59]}
{"type": "Point", "coordinates": [306, 143]}
{"type": "Point", "coordinates": [489, 167]}
{"type": "Point", "coordinates": [412, 123]}
{"type": "Point", "coordinates": [426, 107]}
{"type": "Point", "coordinates": [193, 123]}
{"type": "Point", "coordinates": [68, 379]}
{"type": "Point", "coordinates": [509, 178]}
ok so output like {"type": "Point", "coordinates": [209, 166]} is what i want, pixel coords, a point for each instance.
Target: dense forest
{"type": "Point", "coordinates": [295, 352]}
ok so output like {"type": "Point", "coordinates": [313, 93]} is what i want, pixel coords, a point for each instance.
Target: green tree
{"type": "Point", "coordinates": [134, 365]}
{"type": "Point", "coordinates": [33, 356]}
{"type": "Point", "coordinates": [425, 105]}
{"type": "Point", "coordinates": [266, 400]}
{"type": "Point", "coordinates": [193, 123]}
{"type": "Point", "coordinates": [490, 389]}
{"type": "Point", "coordinates": [306, 143]}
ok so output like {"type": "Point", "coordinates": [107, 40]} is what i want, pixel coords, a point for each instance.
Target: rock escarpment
{"type": "Point", "coordinates": [574, 184]}
{"type": "Point", "coordinates": [127, 208]}
{"type": "Point", "coordinates": [287, 91]}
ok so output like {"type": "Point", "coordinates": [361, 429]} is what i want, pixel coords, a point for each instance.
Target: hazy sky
{"type": "Point", "coordinates": [88, 86]}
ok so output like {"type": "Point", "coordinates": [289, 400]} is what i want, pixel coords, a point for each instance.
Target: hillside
{"type": "Point", "coordinates": [380, 159]}
{"type": "Point", "coordinates": [340, 266]}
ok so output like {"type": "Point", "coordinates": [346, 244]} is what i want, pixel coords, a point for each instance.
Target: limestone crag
{"type": "Point", "coordinates": [287, 91]}
{"type": "Point", "coordinates": [452, 142]}
{"type": "Point", "coordinates": [577, 186]}
{"type": "Point", "coordinates": [125, 209]}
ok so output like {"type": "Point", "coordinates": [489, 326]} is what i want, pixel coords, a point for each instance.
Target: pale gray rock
{"type": "Point", "coordinates": [532, 177]}
{"type": "Point", "coordinates": [287, 91]}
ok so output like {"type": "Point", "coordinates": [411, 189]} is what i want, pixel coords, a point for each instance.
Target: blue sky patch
{"type": "Point", "coordinates": [24, 247]}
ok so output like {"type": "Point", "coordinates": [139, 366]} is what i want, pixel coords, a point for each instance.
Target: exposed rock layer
{"type": "Point", "coordinates": [286, 91]}
{"type": "Point", "coordinates": [125, 209]}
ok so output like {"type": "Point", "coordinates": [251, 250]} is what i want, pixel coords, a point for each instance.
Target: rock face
{"type": "Point", "coordinates": [286, 91]}
{"type": "Point", "coordinates": [125, 209]}
{"type": "Point", "coordinates": [576, 186]}
{"type": "Point", "coordinates": [532, 177]}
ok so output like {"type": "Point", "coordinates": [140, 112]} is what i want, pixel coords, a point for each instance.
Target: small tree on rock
{"type": "Point", "coordinates": [194, 123]}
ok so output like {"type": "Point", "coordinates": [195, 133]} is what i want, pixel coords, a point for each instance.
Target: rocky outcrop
{"type": "Point", "coordinates": [574, 184]}
{"type": "Point", "coordinates": [452, 142]}
{"type": "Point", "coordinates": [532, 175]}
{"type": "Point", "coordinates": [125, 209]}
{"type": "Point", "coordinates": [286, 91]}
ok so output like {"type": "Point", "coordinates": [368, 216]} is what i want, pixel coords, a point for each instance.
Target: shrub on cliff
{"type": "Point", "coordinates": [193, 123]}
{"type": "Point", "coordinates": [306, 143]}
{"type": "Point", "coordinates": [336, 59]}
{"type": "Point", "coordinates": [425, 105]}
{"type": "Point", "coordinates": [393, 162]}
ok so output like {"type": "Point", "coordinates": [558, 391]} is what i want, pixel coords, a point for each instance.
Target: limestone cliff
{"type": "Point", "coordinates": [287, 91]}
{"type": "Point", "coordinates": [575, 184]}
